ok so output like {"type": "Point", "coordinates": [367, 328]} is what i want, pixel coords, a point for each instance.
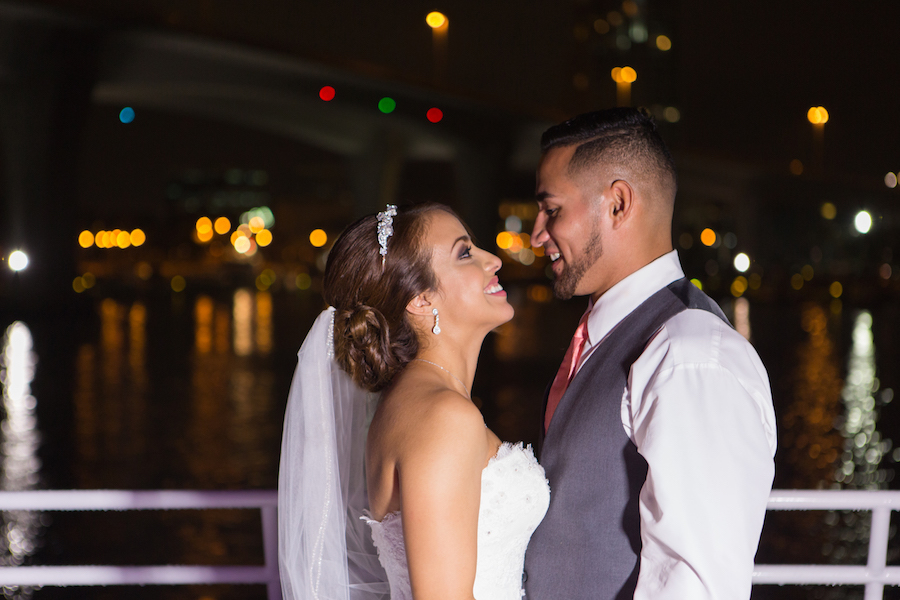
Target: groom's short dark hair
{"type": "Point", "coordinates": [618, 135]}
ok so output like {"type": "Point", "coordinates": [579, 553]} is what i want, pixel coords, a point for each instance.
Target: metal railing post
{"type": "Point", "coordinates": [879, 531]}
{"type": "Point", "coordinates": [270, 550]}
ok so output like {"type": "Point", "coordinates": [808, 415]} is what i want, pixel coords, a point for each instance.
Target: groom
{"type": "Point", "coordinates": [659, 430]}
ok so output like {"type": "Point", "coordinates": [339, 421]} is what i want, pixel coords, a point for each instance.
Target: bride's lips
{"type": "Point", "coordinates": [494, 288]}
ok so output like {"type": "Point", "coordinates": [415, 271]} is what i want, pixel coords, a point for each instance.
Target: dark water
{"type": "Point", "coordinates": [187, 391]}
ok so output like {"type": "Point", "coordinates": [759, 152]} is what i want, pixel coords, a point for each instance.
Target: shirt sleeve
{"type": "Point", "coordinates": [698, 407]}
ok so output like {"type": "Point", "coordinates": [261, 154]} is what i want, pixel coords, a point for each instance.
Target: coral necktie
{"type": "Point", "coordinates": [566, 369]}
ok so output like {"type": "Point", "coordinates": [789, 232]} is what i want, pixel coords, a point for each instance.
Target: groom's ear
{"type": "Point", "coordinates": [421, 305]}
{"type": "Point", "coordinates": [621, 202]}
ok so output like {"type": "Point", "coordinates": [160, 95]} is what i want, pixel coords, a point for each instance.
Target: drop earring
{"type": "Point", "coordinates": [437, 326]}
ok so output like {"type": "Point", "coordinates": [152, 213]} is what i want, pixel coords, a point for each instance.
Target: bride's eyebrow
{"type": "Point", "coordinates": [462, 238]}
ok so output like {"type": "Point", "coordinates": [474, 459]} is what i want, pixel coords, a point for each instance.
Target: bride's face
{"type": "Point", "coordinates": [470, 294]}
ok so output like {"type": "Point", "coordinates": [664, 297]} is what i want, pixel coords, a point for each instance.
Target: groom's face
{"type": "Point", "coordinates": [568, 226]}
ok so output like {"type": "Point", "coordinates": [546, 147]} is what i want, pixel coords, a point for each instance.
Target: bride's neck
{"type": "Point", "coordinates": [459, 357]}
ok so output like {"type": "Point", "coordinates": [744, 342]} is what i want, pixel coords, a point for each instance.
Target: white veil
{"type": "Point", "coordinates": [325, 550]}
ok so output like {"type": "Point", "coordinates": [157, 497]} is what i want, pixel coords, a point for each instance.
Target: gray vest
{"type": "Point", "coordinates": [589, 543]}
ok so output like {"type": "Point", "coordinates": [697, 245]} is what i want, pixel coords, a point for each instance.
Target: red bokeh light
{"type": "Point", "coordinates": [326, 93]}
{"type": "Point", "coordinates": [434, 115]}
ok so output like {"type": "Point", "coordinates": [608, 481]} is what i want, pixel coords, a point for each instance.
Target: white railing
{"type": "Point", "coordinates": [71, 500]}
{"type": "Point", "coordinates": [874, 575]}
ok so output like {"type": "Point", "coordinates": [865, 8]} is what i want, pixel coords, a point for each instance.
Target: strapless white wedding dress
{"type": "Point", "coordinates": [514, 498]}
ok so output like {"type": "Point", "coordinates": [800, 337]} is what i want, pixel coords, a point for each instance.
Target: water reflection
{"type": "Point", "coordinates": [19, 440]}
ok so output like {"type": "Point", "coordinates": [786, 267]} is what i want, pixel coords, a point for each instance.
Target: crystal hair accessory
{"type": "Point", "coordinates": [385, 229]}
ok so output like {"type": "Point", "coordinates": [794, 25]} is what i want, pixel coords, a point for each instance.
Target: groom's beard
{"type": "Point", "coordinates": [564, 286]}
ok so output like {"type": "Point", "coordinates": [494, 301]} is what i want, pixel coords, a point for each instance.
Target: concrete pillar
{"type": "Point", "coordinates": [47, 70]}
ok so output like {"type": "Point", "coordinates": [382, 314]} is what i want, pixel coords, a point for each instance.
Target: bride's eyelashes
{"type": "Point", "coordinates": [466, 253]}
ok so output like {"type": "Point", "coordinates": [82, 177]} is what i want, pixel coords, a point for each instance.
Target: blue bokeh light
{"type": "Point", "coordinates": [126, 115]}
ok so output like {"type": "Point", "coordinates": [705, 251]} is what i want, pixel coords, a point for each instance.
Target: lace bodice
{"type": "Point", "coordinates": [514, 498]}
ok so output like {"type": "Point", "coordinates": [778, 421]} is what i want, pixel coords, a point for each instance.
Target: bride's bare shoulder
{"type": "Point", "coordinates": [422, 419]}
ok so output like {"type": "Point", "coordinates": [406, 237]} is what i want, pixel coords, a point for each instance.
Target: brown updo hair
{"type": "Point", "coordinates": [373, 336]}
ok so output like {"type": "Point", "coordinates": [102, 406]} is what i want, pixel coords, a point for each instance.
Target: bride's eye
{"type": "Point", "coordinates": [466, 252]}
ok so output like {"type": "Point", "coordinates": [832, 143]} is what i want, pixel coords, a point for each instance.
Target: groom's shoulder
{"type": "Point", "coordinates": [697, 336]}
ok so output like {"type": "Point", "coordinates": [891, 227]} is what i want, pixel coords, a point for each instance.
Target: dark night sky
{"type": "Point", "coordinates": [747, 72]}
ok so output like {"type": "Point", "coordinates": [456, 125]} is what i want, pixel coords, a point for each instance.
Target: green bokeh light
{"type": "Point", "coordinates": [387, 105]}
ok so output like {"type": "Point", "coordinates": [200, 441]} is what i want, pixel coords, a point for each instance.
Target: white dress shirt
{"type": "Point", "coordinates": [698, 406]}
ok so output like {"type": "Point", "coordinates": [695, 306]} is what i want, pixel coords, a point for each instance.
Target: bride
{"type": "Point", "coordinates": [382, 442]}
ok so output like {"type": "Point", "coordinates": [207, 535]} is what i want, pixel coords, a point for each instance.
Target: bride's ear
{"type": "Point", "coordinates": [421, 305]}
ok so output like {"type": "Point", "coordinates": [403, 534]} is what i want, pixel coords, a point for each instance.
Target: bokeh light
{"type": "Point", "coordinates": [708, 237]}
{"type": "Point", "coordinates": [628, 75]}
{"type": "Point", "coordinates": [178, 283]}
{"type": "Point", "coordinates": [663, 43]}
{"type": "Point", "coordinates": [504, 240]}
{"type": "Point", "coordinates": [796, 167]}
{"type": "Point", "coordinates": [204, 225]}
{"type": "Point", "coordinates": [836, 289]}
{"type": "Point", "coordinates": [264, 237]}
{"type": "Point", "coordinates": [126, 115]}
{"type": "Point", "coordinates": [327, 93]}
{"type": "Point", "coordinates": [890, 180]}
{"type": "Point", "coordinates": [436, 20]}
{"type": "Point", "coordinates": [222, 225]}
{"type": "Point", "coordinates": [387, 105]}
{"type": "Point", "coordinates": [318, 238]}
{"type": "Point", "coordinates": [138, 237]}
{"type": "Point", "coordinates": [434, 115]}
{"type": "Point", "coordinates": [303, 281]}
{"type": "Point", "coordinates": [817, 115]}
{"type": "Point", "coordinates": [256, 224]}
{"type": "Point", "coordinates": [829, 211]}
{"type": "Point", "coordinates": [123, 240]}
{"type": "Point", "coordinates": [697, 283]}
{"type": "Point", "coordinates": [86, 239]}
{"type": "Point", "coordinates": [18, 260]}
{"type": "Point", "coordinates": [863, 221]}
{"type": "Point", "coordinates": [242, 244]}
{"type": "Point", "coordinates": [742, 262]}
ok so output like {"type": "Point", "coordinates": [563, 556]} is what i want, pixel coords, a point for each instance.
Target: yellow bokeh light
{"type": "Point", "coordinates": [205, 236]}
{"type": "Point", "coordinates": [242, 244]}
{"type": "Point", "coordinates": [112, 240]}
{"type": "Point", "coordinates": [538, 250]}
{"type": "Point", "coordinates": [138, 237]}
{"type": "Point", "coordinates": [78, 285]}
{"type": "Point", "coordinates": [100, 239]}
{"type": "Point", "coordinates": [516, 244]}
{"type": "Point", "coordinates": [178, 283]}
{"type": "Point", "coordinates": [237, 234]}
{"type": "Point", "coordinates": [436, 20]}
{"type": "Point", "coordinates": [303, 281]}
{"type": "Point", "coordinates": [504, 240]}
{"type": "Point", "coordinates": [257, 224]}
{"type": "Point", "coordinates": [796, 167]}
{"type": "Point", "coordinates": [697, 283]}
{"type": "Point", "coordinates": [264, 237]}
{"type": "Point", "coordinates": [629, 75]}
{"type": "Point", "coordinates": [616, 74]}
{"type": "Point", "coordinates": [739, 286]}
{"type": "Point", "coordinates": [204, 225]}
{"type": "Point", "coordinates": [123, 240]}
{"type": "Point", "coordinates": [88, 280]}
{"type": "Point", "coordinates": [223, 225]}
{"type": "Point", "coordinates": [318, 237]}
{"type": "Point", "coordinates": [526, 240]}
{"type": "Point", "coordinates": [836, 289]}
{"type": "Point", "coordinates": [708, 237]}
{"type": "Point", "coordinates": [663, 43]}
{"type": "Point", "coordinates": [797, 281]}
{"type": "Point", "coordinates": [817, 115]}
{"type": "Point", "coordinates": [86, 239]}
{"type": "Point", "coordinates": [829, 211]}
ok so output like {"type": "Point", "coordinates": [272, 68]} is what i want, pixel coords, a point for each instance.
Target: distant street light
{"type": "Point", "coordinates": [624, 77]}
{"type": "Point", "coordinates": [18, 260]}
{"type": "Point", "coordinates": [818, 116]}
{"type": "Point", "coordinates": [863, 221]}
{"type": "Point", "coordinates": [440, 25]}
{"type": "Point", "coordinates": [742, 262]}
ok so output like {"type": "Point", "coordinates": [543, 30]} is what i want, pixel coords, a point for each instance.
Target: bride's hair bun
{"type": "Point", "coordinates": [373, 336]}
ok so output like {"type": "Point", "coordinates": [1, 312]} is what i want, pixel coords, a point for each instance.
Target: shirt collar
{"type": "Point", "coordinates": [622, 298]}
